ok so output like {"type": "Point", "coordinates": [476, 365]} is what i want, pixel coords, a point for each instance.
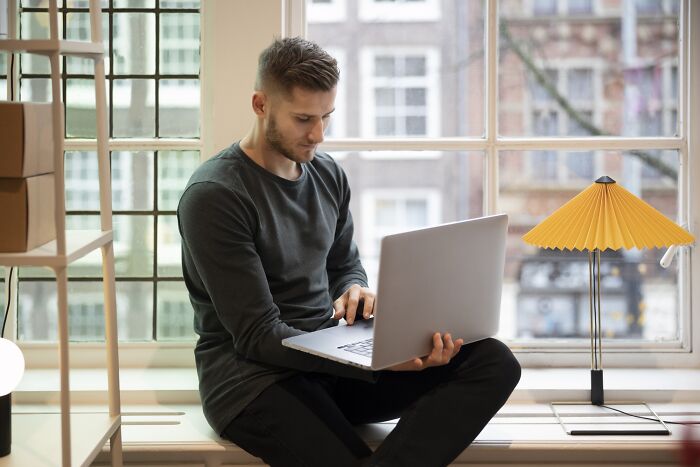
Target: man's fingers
{"type": "Point", "coordinates": [448, 348]}
{"type": "Point", "coordinates": [353, 300]}
{"type": "Point", "coordinates": [339, 308]}
{"type": "Point", "coordinates": [369, 306]}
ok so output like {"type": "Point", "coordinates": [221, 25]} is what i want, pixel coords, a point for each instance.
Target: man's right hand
{"type": "Point", "coordinates": [443, 351]}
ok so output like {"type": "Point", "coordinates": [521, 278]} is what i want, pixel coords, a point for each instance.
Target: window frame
{"type": "Point", "coordinates": [270, 18]}
{"type": "Point", "coordinates": [619, 353]}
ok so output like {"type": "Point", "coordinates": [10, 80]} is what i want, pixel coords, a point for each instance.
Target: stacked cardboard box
{"type": "Point", "coordinates": [26, 176]}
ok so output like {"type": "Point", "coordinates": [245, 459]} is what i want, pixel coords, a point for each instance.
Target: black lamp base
{"type": "Point", "coordinates": [597, 397]}
{"type": "Point", "coordinates": [5, 424]}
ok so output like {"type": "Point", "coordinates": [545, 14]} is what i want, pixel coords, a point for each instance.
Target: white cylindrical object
{"type": "Point", "coordinates": [668, 256]}
{"type": "Point", "coordinates": [11, 366]}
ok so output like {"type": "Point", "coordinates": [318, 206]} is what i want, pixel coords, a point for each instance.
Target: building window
{"type": "Point", "coordinates": [399, 10]}
{"type": "Point", "coordinates": [578, 85]}
{"type": "Point", "coordinates": [562, 7]}
{"type": "Point", "coordinates": [326, 11]}
{"type": "Point", "coordinates": [153, 78]}
{"type": "Point", "coordinates": [389, 211]}
{"type": "Point", "coordinates": [400, 93]}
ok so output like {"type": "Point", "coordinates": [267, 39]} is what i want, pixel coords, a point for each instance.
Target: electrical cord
{"type": "Point", "coordinates": [649, 418]}
{"type": "Point", "coordinates": [9, 300]}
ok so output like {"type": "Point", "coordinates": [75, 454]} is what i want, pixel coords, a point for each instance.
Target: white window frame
{"type": "Point", "coordinates": [617, 354]}
{"type": "Point", "coordinates": [224, 119]}
{"type": "Point", "coordinates": [399, 10]}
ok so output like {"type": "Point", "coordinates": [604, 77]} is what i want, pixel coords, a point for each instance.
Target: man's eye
{"type": "Point", "coordinates": [303, 119]}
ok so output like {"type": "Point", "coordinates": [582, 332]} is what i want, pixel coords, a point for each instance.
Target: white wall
{"type": "Point", "coordinates": [227, 84]}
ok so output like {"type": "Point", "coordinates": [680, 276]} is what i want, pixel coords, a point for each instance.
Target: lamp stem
{"type": "Point", "coordinates": [597, 396]}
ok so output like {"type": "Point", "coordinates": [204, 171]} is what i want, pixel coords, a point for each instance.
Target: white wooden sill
{"type": "Point", "coordinates": [163, 421]}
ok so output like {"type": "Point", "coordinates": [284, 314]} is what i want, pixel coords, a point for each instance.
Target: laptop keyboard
{"type": "Point", "coordinates": [363, 348]}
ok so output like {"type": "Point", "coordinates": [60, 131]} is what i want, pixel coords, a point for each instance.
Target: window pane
{"type": "Point", "coordinates": [35, 89]}
{"type": "Point", "coordinates": [133, 245]}
{"type": "Point", "coordinates": [132, 180]}
{"type": "Point", "coordinates": [81, 179]}
{"type": "Point", "coordinates": [38, 320]}
{"type": "Point", "coordinates": [545, 292]}
{"type": "Point", "coordinates": [179, 3]}
{"type": "Point", "coordinates": [179, 108]}
{"type": "Point", "coordinates": [78, 28]}
{"type": "Point", "coordinates": [91, 264]}
{"type": "Point", "coordinates": [175, 315]}
{"type": "Point", "coordinates": [134, 43]}
{"type": "Point", "coordinates": [394, 191]}
{"type": "Point", "coordinates": [174, 169]}
{"type": "Point", "coordinates": [134, 108]}
{"type": "Point", "coordinates": [179, 43]}
{"type": "Point", "coordinates": [81, 114]}
{"type": "Point", "coordinates": [585, 64]}
{"type": "Point", "coordinates": [3, 89]}
{"type": "Point", "coordinates": [406, 83]}
{"type": "Point", "coordinates": [134, 3]}
{"type": "Point", "coordinates": [168, 247]}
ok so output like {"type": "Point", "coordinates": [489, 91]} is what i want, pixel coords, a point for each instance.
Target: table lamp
{"type": "Point", "coordinates": [11, 370]}
{"type": "Point", "coordinates": [604, 215]}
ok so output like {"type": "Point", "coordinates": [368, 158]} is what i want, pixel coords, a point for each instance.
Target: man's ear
{"type": "Point", "coordinates": [260, 103]}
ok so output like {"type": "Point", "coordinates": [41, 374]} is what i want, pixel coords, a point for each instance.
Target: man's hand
{"type": "Point", "coordinates": [443, 351]}
{"type": "Point", "coordinates": [346, 305]}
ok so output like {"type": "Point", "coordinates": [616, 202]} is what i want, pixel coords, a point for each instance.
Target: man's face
{"type": "Point", "coordinates": [295, 123]}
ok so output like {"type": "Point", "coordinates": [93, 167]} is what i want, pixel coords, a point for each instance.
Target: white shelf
{"type": "Point", "coordinates": [36, 438]}
{"type": "Point", "coordinates": [78, 244]}
{"type": "Point", "coordinates": [50, 46]}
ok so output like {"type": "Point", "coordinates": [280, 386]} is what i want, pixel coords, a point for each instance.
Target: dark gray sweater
{"type": "Point", "coordinates": [263, 259]}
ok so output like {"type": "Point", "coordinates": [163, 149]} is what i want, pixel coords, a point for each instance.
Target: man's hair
{"type": "Point", "coordinates": [294, 61]}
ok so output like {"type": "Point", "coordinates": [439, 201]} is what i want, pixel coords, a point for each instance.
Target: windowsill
{"type": "Point", "coordinates": [163, 420]}
{"type": "Point", "coordinates": [179, 385]}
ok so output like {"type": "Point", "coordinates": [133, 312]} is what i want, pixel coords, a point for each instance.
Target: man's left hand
{"type": "Point", "coordinates": [346, 305]}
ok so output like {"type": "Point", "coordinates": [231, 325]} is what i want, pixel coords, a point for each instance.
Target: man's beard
{"type": "Point", "coordinates": [274, 139]}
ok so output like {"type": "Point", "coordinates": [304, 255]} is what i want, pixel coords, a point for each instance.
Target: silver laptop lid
{"type": "Point", "coordinates": [455, 268]}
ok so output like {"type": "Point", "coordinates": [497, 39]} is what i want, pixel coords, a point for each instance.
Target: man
{"type": "Point", "coordinates": [268, 253]}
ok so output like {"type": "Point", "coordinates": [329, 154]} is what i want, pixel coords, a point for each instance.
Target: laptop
{"type": "Point", "coordinates": [445, 278]}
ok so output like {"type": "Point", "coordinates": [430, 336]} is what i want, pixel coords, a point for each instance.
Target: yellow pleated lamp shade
{"type": "Point", "coordinates": [603, 216]}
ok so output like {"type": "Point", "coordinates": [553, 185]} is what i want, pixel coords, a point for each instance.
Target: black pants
{"type": "Point", "coordinates": [308, 420]}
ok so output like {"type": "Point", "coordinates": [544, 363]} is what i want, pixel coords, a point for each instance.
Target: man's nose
{"type": "Point", "coordinates": [316, 134]}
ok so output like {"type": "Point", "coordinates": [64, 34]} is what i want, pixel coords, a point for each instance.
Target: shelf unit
{"type": "Point", "coordinates": [82, 436]}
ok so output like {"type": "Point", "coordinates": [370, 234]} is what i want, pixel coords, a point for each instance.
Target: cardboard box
{"type": "Point", "coordinates": [26, 133]}
{"type": "Point", "coordinates": [27, 207]}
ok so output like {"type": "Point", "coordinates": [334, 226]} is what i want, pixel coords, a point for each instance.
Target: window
{"type": "Point", "coordinates": [563, 7]}
{"type": "Point", "coordinates": [399, 10]}
{"type": "Point", "coordinates": [578, 85]}
{"type": "Point", "coordinates": [153, 95]}
{"type": "Point", "coordinates": [400, 93]}
{"type": "Point", "coordinates": [4, 69]}
{"type": "Point", "coordinates": [563, 74]}
{"type": "Point", "coordinates": [389, 211]}
{"type": "Point", "coordinates": [326, 11]}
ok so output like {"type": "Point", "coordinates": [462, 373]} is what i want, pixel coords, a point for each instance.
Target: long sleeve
{"type": "Point", "coordinates": [219, 230]}
{"type": "Point", "coordinates": [344, 267]}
